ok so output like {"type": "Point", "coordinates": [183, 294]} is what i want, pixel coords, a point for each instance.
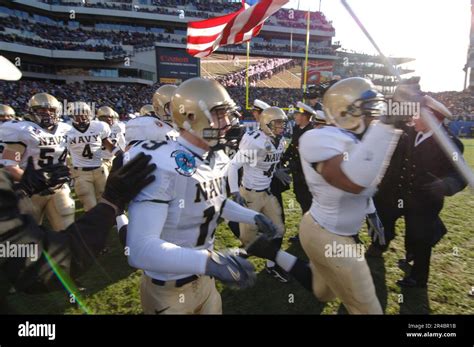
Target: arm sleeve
{"type": "Point", "coordinates": [105, 131]}
{"type": "Point", "coordinates": [241, 157]}
{"type": "Point", "coordinates": [147, 251]}
{"type": "Point", "coordinates": [232, 211]}
{"type": "Point", "coordinates": [454, 181]}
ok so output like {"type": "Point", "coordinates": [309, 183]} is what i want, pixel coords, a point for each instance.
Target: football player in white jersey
{"type": "Point", "coordinates": [259, 153]}
{"type": "Point", "coordinates": [154, 122]}
{"type": "Point", "coordinates": [84, 142]}
{"type": "Point", "coordinates": [173, 220]}
{"type": "Point", "coordinates": [117, 133]}
{"type": "Point", "coordinates": [342, 173]}
{"type": "Point", "coordinates": [6, 114]}
{"type": "Point", "coordinates": [45, 141]}
{"type": "Point", "coordinates": [147, 110]}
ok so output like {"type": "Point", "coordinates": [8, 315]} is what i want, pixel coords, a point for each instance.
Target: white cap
{"type": "Point", "coordinates": [317, 116]}
{"type": "Point", "coordinates": [261, 105]}
{"type": "Point", "coordinates": [439, 108]}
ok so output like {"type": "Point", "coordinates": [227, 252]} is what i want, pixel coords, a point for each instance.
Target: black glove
{"type": "Point", "coordinates": [8, 200]}
{"type": "Point", "coordinates": [231, 269]}
{"type": "Point", "coordinates": [36, 181]}
{"type": "Point", "coordinates": [266, 226]}
{"type": "Point", "coordinates": [263, 247]}
{"type": "Point", "coordinates": [376, 229]}
{"type": "Point", "coordinates": [125, 183]}
{"type": "Point", "coordinates": [437, 188]}
{"type": "Point", "coordinates": [239, 199]}
{"type": "Point", "coordinates": [283, 174]}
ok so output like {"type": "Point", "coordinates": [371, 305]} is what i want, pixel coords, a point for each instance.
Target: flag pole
{"type": "Point", "coordinates": [305, 77]}
{"type": "Point", "coordinates": [247, 77]}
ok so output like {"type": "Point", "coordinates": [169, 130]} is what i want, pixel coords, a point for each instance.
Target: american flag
{"type": "Point", "coordinates": [205, 36]}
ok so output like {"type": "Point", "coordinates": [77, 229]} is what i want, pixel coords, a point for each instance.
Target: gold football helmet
{"type": "Point", "coordinates": [6, 113]}
{"type": "Point", "coordinates": [147, 110]}
{"type": "Point", "coordinates": [348, 101]}
{"type": "Point", "coordinates": [269, 119]}
{"type": "Point", "coordinates": [192, 105]}
{"type": "Point", "coordinates": [45, 109]}
{"type": "Point", "coordinates": [107, 114]}
{"type": "Point", "coordinates": [162, 100]}
{"type": "Point", "coordinates": [81, 114]}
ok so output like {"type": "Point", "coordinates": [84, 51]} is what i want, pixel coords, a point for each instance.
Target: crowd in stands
{"type": "Point", "coordinates": [59, 36]}
{"type": "Point", "coordinates": [60, 45]}
{"type": "Point", "coordinates": [262, 70]}
{"type": "Point", "coordinates": [94, 40]}
{"type": "Point", "coordinates": [461, 104]}
{"type": "Point", "coordinates": [124, 98]}
{"type": "Point", "coordinates": [129, 98]}
{"type": "Point", "coordinates": [295, 48]}
{"type": "Point", "coordinates": [193, 8]}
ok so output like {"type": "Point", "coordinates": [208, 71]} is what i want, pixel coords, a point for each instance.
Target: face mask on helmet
{"type": "Point", "coordinates": [81, 121]}
{"type": "Point", "coordinates": [46, 117]}
{"type": "Point", "coordinates": [81, 115]}
{"type": "Point", "coordinates": [370, 104]}
{"type": "Point", "coordinates": [107, 119]}
{"type": "Point", "coordinates": [352, 103]}
{"type": "Point", "coordinates": [166, 117]}
{"type": "Point", "coordinates": [223, 120]}
{"type": "Point", "coordinates": [273, 121]}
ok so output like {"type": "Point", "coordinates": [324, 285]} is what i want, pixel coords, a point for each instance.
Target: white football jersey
{"type": "Point", "coordinates": [148, 128]}
{"type": "Point", "coordinates": [85, 147]}
{"type": "Point", "coordinates": [117, 137]}
{"type": "Point", "coordinates": [7, 126]}
{"type": "Point", "coordinates": [260, 156]}
{"type": "Point", "coordinates": [45, 147]}
{"type": "Point", "coordinates": [194, 188]}
{"type": "Point", "coordinates": [336, 210]}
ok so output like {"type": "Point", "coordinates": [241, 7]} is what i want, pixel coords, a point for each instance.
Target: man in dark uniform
{"type": "Point", "coordinates": [306, 118]}
{"type": "Point", "coordinates": [420, 175]}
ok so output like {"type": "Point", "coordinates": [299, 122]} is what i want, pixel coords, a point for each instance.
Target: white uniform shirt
{"type": "Point", "coordinates": [148, 128]}
{"type": "Point", "coordinates": [193, 188]}
{"type": "Point", "coordinates": [117, 137]}
{"type": "Point", "coordinates": [85, 146]}
{"type": "Point", "coordinates": [336, 210]}
{"type": "Point", "coordinates": [45, 147]}
{"type": "Point", "coordinates": [259, 158]}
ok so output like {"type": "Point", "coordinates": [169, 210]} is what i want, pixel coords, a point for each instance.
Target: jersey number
{"type": "Point", "coordinates": [150, 145]}
{"type": "Point", "coordinates": [204, 228]}
{"type": "Point", "coordinates": [62, 157]}
{"type": "Point", "coordinates": [269, 172]}
{"type": "Point", "coordinates": [46, 159]}
{"type": "Point", "coordinates": [87, 153]}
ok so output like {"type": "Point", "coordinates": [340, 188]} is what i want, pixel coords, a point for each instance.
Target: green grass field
{"type": "Point", "coordinates": [113, 287]}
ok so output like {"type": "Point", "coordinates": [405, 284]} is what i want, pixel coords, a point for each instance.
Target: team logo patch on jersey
{"type": "Point", "coordinates": [159, 124]}
{"type": "Point", "coordinates": [185, 161]}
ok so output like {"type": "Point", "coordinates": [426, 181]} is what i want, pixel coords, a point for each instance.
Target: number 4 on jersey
{"type": "Point", "coordinates": [87, 153]}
